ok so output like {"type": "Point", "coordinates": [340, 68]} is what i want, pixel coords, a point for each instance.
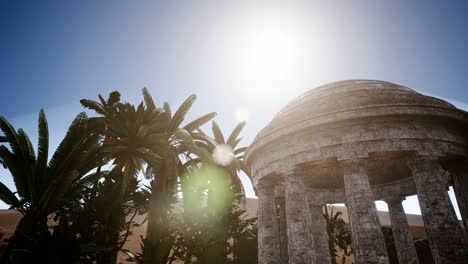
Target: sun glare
{"type": "Point", "coordinates": [242, 114]}
{"type": "Point", "coordinates": [269, 55]}
{"type": "Point", "coordinates": [265, 57]}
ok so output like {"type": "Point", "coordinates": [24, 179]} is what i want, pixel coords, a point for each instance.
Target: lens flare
{"type": "Point", "coordinates": [223, 155]}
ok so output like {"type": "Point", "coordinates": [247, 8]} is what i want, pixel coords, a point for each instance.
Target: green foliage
{"type": "Point", "coordinates": [85, 232]}
{"type": "Point", "coordinates": [43, 187]}
{"type": "Point", "coordinates": [76, 213]}
{"type": "Point", "coordinates": [339, 235]}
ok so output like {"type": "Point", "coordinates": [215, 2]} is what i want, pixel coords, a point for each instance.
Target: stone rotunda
{"type": "Point", "coordinates": [356, 142]}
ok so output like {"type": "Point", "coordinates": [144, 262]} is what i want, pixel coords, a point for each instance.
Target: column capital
{"type": "Point", "coordinates": [394, 200]}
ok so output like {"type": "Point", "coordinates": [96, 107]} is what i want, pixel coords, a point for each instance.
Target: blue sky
{"type": "Point", "coordinates": [53, 53]}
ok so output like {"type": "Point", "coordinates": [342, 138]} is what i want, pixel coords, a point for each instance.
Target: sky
{"type": "Point", "coordinates": [241, 58]}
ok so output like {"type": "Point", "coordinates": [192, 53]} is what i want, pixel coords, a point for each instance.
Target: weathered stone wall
{"type": "Point", "coordinates": [401, 233]}
{"type": "Point", "coordinates": [368, 241]}
{"type": "Point", "coordinates": [443, 230]}
{"type": "Point", "coordinates": [268, 235]}
{"type": "Point", "coordinates": [300, 247]}
{"type": "Point", "coordinates": [318, 231]}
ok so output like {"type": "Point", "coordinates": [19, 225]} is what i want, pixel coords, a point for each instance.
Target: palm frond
{"type": "Point", "coordinates": [43, 142]}
{"type": "Point", "coordinates": [72, 146]}
{"type": "Point", "coordinates": [240, 150]}
{"type": "Point", "coordinates": [179, 115]}
{"type": "Point", "coordinates": [167, 109]}
{"type": "Point", "coordinates": [236, 142]}
{"type": "Point", "coordinates": [235, 133]}
{"type": "Point", "coordinates": [93, 105]}
{"type": "Point", "coordinates": [16, 169]}
{"type": "Point", "coordinates": [218, 134]}
{"type": "Point", "coordinates": [8, 197]}
{"type": "Point", "coordinates": [206, 139]}
{"type": "Point", "coordinates": [103, 102]}
{"type": "Point", "coordinates": [26, 145]}
{"type": "Point", "coordinates": [57, 190]}
{"type": "Point", "coordinates": [11, 136]}
{"type": "Point", "coordinates": [199, 122]}
{"type": "Point", "coordinates": [114, 97]}
{"type": "Point", "coordinates": [148, 100]}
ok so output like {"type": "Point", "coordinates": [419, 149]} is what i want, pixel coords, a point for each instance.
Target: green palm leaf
{"type": "Point", "coordinates": [235, 133]}
{"type": "Point", "coordinates": [206, 139]}
{"type": "Point", "coordinates": [148, 100]}
{"type": "Point", "coordinates": [199, 122]}
{"type": "Point", "coordinates": [236, 142]}
{"type": "Point", "coordinates": [218, 134]}
{"type": "Point", "coordinates": [43, 142]}
{"type": "Point", "coordinates": [26, 145]}
{"type": "Point", "coordinates": [114, 97]}
{"type": "Point", "coordinates": [11, 137]}
{"type": "Point", "coordinates": [167, 109]}
{"type": "Point", "coordinates": [179, 115]}
{"type": "Point", "coordinates": [93, 105]}
{"type": "Point", "coordinates": [8, 196]}
{"type": "Point", "coordinates": [16, 168]}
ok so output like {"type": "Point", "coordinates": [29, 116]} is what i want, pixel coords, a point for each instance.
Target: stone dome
{"type": "Point", "coordinates": [355, 119]}
{"type": "Point", "coordinates": [356, 142]}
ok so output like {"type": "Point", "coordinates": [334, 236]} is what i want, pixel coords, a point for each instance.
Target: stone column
{"type": "Point", "coordinates": [300, 249]}
{"type": "Point", "coordinates": [442, 226]}
{"type": "Point", "coordinates": [268, 235]}
{"type": "Point", "coordinates": [459, 175]}
{"type": "Point", "coordinates": [283, 230]}
{"type": "Point", "coordinates": [368, 240]}
{"type": "Point", "coordinates": [401, 233]}
{"type": "Point", "coordinates": [318, 229]}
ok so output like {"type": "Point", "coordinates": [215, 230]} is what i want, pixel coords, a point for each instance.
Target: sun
{"type": "Point", "coordinates": [271, 53]}
{"type": "Point", "coordinates": [265, 57]}
{"type": "Point", "coordinates": [268, 55]}
{"type": "Point", "coordinates": [242, 114]}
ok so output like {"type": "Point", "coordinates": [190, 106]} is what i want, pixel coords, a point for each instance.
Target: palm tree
{"type": "Point", "coordinates": [231, 166]}
{"type": "Point", "coordinates": [237, 164]}
{"type": "Point", "coordinates": [42, 185]}
{"type": "Point", "coordinates": [147, 135]}
{"type": "Point", "coordinates": [181, 142]}
{"type": "Point", "coordinates": [134, 137]}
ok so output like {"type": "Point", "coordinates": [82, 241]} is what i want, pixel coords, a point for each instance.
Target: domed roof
{"type": "Point", "coordinates": [345, 100]}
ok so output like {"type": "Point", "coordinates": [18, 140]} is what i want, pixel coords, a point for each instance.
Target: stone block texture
{"type": "Point", "coordinates": [300, 248]}
{"type": "Point", "coordinates": [318, 231]}
{"type": "Point", "coordinates": [283, 230]}
{"type": "Point", "coordinates": [443, 229]}
{"type": "Point", "coordinates": [459, 175]}
{"type": "Point", "coordinates": [368, 241]}
{"type": "Point", "coordinates": [401, 233]}
{"type": "Point", "coordinates": [268, 235]}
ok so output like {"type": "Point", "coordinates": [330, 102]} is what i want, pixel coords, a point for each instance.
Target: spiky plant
{"type": "Point", "coordinates": [42, 186]}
